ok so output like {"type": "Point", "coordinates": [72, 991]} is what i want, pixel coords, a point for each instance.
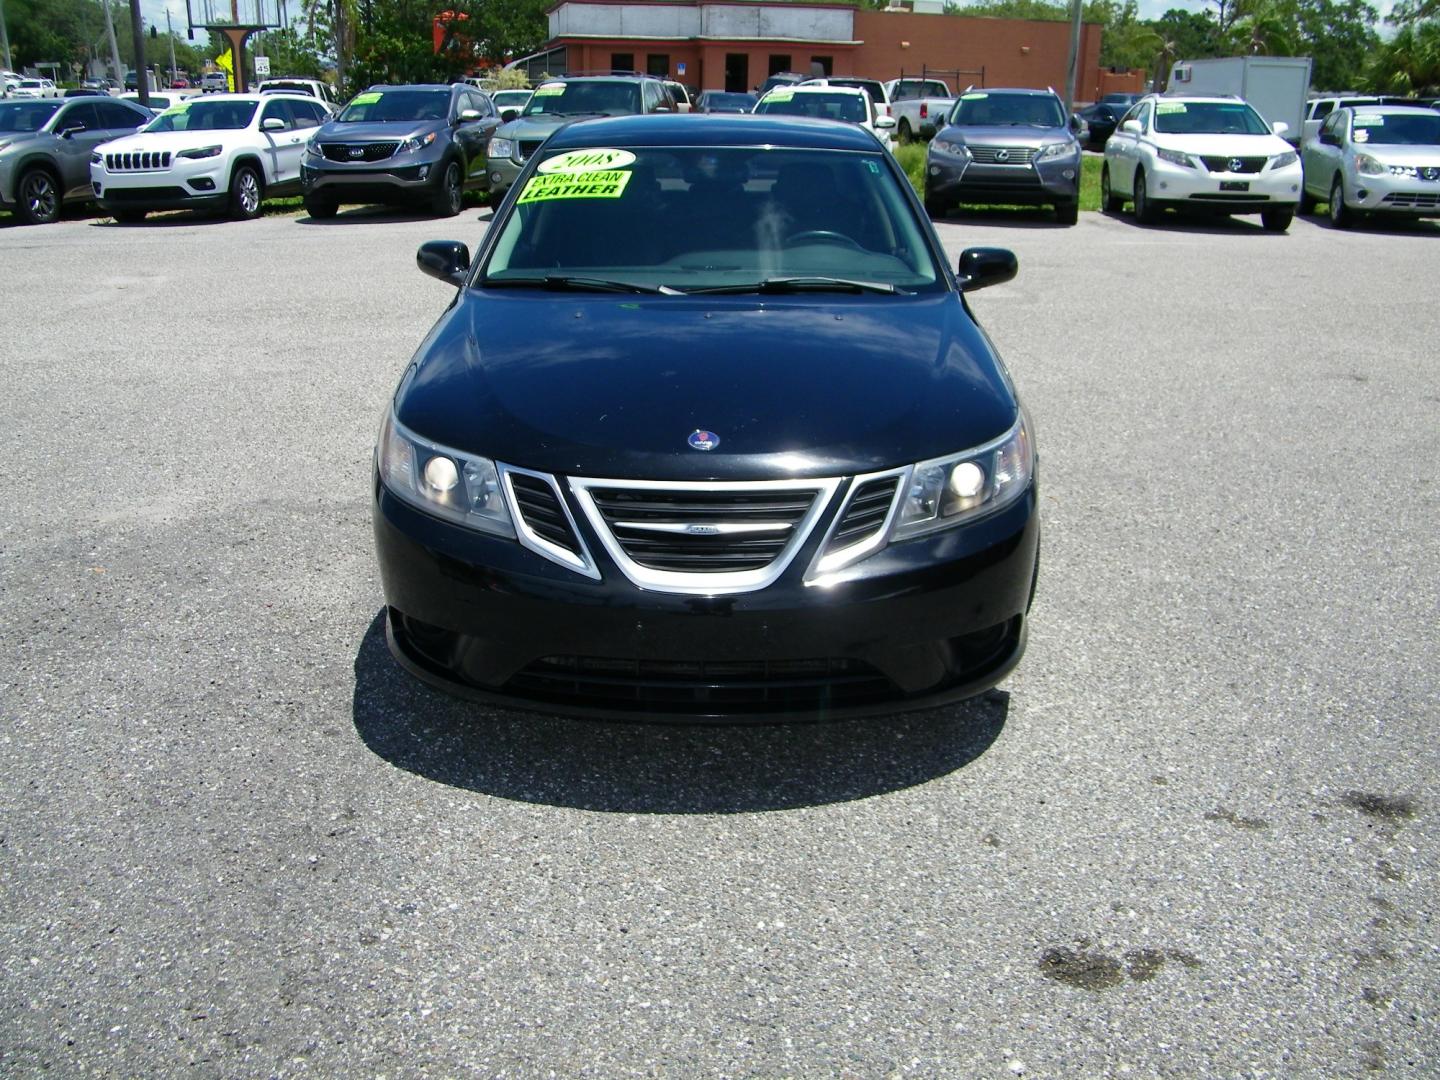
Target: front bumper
{"type": "Point", "coordinates": [1269, 189]}
{"type": "Point", "coordinates": [370, 181]}
{"type": "Point", "coordinates": [953, 179]}
{"type": "Point", "coordinates": [921, 623]}
{"type": "Point", "coordinates": [503, 173]}
{"type": "Point", "coordinates": [184, 184]}
{"type": "Point", "coordinates": [1411, 196]}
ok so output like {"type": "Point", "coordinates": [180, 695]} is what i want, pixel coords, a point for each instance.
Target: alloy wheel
{"type": "Point", "coordinates": [41, 199]}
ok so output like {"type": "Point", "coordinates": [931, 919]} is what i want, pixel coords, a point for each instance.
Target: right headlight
{"type": "Point", "coordinates": [501, 148]}
{"type": "Point", "coordinates": [945, 146]}
{"type": "Point", "coordinates": [456, 486]}
{"type": "Point", "coordinates": [947, 491]}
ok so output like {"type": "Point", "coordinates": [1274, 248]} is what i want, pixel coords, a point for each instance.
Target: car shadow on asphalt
{"type": "Point", "coordinates": [1028, 217]}
{"type": "Point", "coordinates": [1178, 221]}
{"type": "Point", "coordinates": [384, 215]}
{"type": "Point", "coordinates": [656, 768]}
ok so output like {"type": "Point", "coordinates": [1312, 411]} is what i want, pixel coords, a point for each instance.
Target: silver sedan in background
{"type": "Point", "coordinates": [1374, 159]}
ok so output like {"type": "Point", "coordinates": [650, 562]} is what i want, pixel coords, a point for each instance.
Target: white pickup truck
{"type": "Point", "coordinates": [919, 106]}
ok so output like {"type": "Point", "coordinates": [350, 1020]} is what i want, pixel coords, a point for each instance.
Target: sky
{"type": "Point", "coordinates": [153, 11]}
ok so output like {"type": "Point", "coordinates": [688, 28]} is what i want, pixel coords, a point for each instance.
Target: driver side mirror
{"type": "Point", "coordinates": [468, 116]}
{"type": "Point", "coordinates": [447, 260]}
{"type": "Point", "coordinates": [884, 123]}
{"type": "Point", "coordinates": [506, 115]}
{"type": "Point", "coordinates": [1279, 127]}
{"type": "Point", "coordinates": [1076, 124]}
{"type": "Point", "coordinates": [981, 267]}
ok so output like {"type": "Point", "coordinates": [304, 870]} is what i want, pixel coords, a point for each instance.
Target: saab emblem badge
{"type": "Point", "coordinates": [703, 440]}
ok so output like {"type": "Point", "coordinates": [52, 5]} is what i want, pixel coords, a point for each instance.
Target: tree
{"type": "Point", "coordinates": [1339, 35]}
{"type": "Point", "coordinates": [1409, 63]}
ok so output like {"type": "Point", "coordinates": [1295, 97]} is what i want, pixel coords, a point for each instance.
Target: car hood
{"type": "Point", "coordinates": [378, 131]}
{"type": "Point", "coordinates": [1006, 134]}
{"type": "Point", "coordinates": [1224, 145]}
{"type": "Point", "coordinates": [612, 386]}
{"type": "Point", "coordinates": [175, 140]}
{"type": "Point", "coordinates": [538, 126]}
{"type": "Point", "coordinates": [1390, 154]}
{"type": "Point", "coordinates": [17, 140]}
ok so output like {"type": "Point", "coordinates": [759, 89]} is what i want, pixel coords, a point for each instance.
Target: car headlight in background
{"type": "Point", "coordinates": [313, 149]}
{"type": "Point", "coordinates": [501, 148]}
{"type": "Point", "coordinates": [1367, 165]}
{"type": "Point", "coordinates": [97, 159]}
{"type": "Point", "coordinates": [1176, 157]}
{"type": "Point", "coordinates": [447, 483]}
{"type": "Point", "coordinates": [948, 491]}
{"type": "Point", "coordinates": [1057, 150]}
{"type": "Point", "coordinates": [201, 152]}
{"type": "Point", "coordinates": [417, 143]}
{"type": "Point", "coordinates": [945, 146]}
{"type": "Point", "coordinates": [1281, 161]}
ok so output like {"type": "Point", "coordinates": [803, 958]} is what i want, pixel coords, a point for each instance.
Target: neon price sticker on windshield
{"type": "Point", "coordinates": [575, 162]}
{"type": "Point", "coordinates": [366, 99]}
{"type": "Point", "coordinates": [177, 110]}
{"type": "Point", "coordinates": [780, 95]}
{"type": "Point", "coordinates": [592, 185]}
{"type": "Point", "coordinates": [1167, 108]}
{"type": "Point", "coordinates": [550, 90]}
{"type": "Point", "coordinates": [973, 97]}
{"type": "Point", "coordinates": [1369, 120]}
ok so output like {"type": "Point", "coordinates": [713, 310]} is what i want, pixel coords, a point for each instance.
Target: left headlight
{"type": "Point", "coordinates": [945, 146]}
{"type": "Point", "coordinates": [1285, 160]}
{"type": "Point", "coordinates": [97, 158]}
{"type": "Point", "coordinates": [947, 491]}
{"type": "Point", "coordinates": [1057, 150]}
{"type": "Point", "coordinates": [450, 484]}
{"type": "Point", "coordinates": [313, 148]}
{"type": "Point", "coordinates": [201, 152]}
{"type": "Point", "coordinates": [418, 143]}
{"type": "Point", "coordinates": [1175, 157]}
{"type": "Point", "coordinates": [500, 148]}
{"type": "Point", "coordinates": [1368, 165]}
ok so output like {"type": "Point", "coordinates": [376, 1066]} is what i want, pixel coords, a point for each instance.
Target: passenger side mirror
{"type": "Point", "coordinates": [1329, 138]}
{"type": "Point", "coordinates": [1279, 127]}
{"type": "Point", "coordinates": [447, 260]}
{"type": "Point", "coordinates": [272, 123]}
{"type": "Point", "coordinates": [1132, 126]}
{"type": "Point", "coordinates": [981, 267]}
{"type": "Point", "coordinates": [1076, 124]}
{"type": "Point", "coordinates": [884, 123]}
{"type": "Point", "coordinates": [468, 116]}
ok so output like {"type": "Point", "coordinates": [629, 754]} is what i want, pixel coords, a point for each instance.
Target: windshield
{"type": "Point", "coordinates": [506, 98]}
{"type": "Point", "coordinates": [192, 115]}
{"type": "Point", "coordinates": [848, 107]}
{"type": "Point", "coordinates": [1208, 118]}
{"type": "Point", "coordinates": [287, 87]}
{"type": "Point", "coordinates": [380, 106]}
{"type": "Point", "coordinates": [579, 98]}
{"type": "Point", "coordinates": [1397, 129]}
{"type": "Point", "coordinates": [906, 89]}
{"type": "Point", "coordinates": [743, 102]}
{"type": "Point", "coordinates": [870, 86]}
{"type": "Point", "coordinates": [26, 115]}
{"type": "Point", "coordinates": [981, 109]}
{"type": "Point", "coordinates": [713, 217]}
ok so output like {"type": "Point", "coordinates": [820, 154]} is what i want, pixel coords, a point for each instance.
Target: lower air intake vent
{"type": "Point", "coordinates": [866, 513]}
{"type": "Point", "coordinates": [541, 509]}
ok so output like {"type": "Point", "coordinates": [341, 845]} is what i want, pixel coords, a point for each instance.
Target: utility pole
{"type": "Point", "coordinates": [1072, 71]}
{"type": "Point", "coordinates": [171, 31]}
{"type": "Point", "coordinates": [114, 49]}
{"type": "Point", "coordinates": [142, 73]}
{"type": "Point", "coordinates": [4, 39]}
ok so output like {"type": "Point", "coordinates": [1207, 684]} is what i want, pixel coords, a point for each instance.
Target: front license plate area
{"type": "Point", "coordinates": [1234, 185]}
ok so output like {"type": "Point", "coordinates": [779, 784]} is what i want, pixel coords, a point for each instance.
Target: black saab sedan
{"type": "Point", "coordinates": [708, 431]}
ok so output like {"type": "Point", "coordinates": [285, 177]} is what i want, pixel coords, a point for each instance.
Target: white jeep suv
{"type": "Point", "coordinates": [1213, 154]}
{"type": "Point", "coordinates": [221, 151]}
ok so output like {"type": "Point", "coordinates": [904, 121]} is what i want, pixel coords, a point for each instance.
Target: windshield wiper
{"type": "Point", "coordinates": [565, 282]}
{"type": "Point", "coordinates": [804, 284]}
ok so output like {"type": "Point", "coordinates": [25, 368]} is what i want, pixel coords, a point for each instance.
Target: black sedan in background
{"type": "Point", "coordinates": [1101, 119]}
{"type": "Point", "coordinates": [720, 101]}
{"type": "Point", "coordinates": [708, 430]}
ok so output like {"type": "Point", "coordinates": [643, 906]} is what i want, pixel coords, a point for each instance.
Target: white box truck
{"type": "Point", "coordinates": [1276, 86]}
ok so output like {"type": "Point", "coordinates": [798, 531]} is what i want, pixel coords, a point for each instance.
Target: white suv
{"type": "Point", "coordinates": [1214, 154]}
{"type": "Point", "coordinates": [226, 151]}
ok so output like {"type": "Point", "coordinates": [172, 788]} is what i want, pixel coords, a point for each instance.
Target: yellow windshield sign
{"type": "Point", "coordinates": [598, 159]}
{"type": "Point", "coordinates": [590, 185]}
{"type": "Point", "coordinates": [365, 99]}
{"type": "Point", "coordinates": [780, 95]}
{"type": "Point", "coordinates": [550, 90]}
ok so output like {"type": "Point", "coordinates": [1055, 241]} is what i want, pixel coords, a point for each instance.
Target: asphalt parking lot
{"type": "Point", "coordinates": [1195, 834]}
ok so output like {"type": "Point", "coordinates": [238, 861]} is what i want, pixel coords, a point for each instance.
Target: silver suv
{"type": "Point", "coordinates": [1005, 146]}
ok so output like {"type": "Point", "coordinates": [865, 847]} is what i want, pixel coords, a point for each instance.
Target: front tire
{"type": "Point", "coordinates": [321, 208]}
{"type": "Point", "coordinates": [906, 135]}
{"type": "Point", "coordinates": [1111, 202]}
{"type": "Point", "coordinates": [128, 217]}
{"type": "Point", "coordinates": [450, 196]}
{"type": "Point", "coordinates": [936, 208]}
{"type": "Point", "coordinates": [1146, 212]}
{"type": "Point", "coordinates": [1341, 216]}
{"type": "Point", "coordinates": [247, 190]}
{"type": "Point", "coordinates": [38, 197]}
{"type": "Point", "coordinates": [1307, 201]}
{"type": "Point", "coordinates": [1277, 220]}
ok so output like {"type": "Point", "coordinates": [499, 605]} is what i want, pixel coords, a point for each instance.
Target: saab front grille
{"type": "Point", "coordinates": [703, 532]}
{"type": "Point", "coordinates": [703, 686]}
{"type": "Point", "coordinates": [528, 147]}
{"type": "Point", "coordinates": [1216, 163]}
{"type": "Point", "coordinates": [142, 161]}
{"type": "Point", "coordinates": [1001, 155]}
{"type": "Point", "coordinates": [541, 509]}
{"type": "Point", "coordinates": [378, 151]}
{"type": "Point", "coordinates": [866, 513]}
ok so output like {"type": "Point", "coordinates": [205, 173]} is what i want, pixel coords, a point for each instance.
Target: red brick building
{"type": "Point", "coordinates": [737, 44]}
